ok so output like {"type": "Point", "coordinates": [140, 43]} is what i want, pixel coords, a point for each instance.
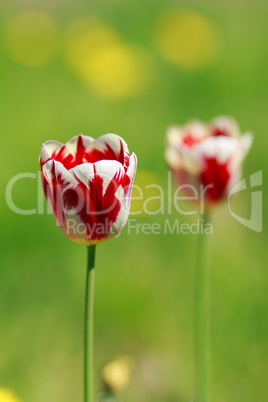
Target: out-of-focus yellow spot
{"type": "Point", "coordinates": [147, 194]}
{"type": "Point", "coordinates": [187, 38]}
{"type": "Point", "coordinates": [110, 67]}
{"type": "Point", "coordinates": [119, 71]}
{"type": "Point", "coordinates": [86, 36]}
{"type": "Point", "coordinates": [116, 374]}
{"type": "Point", "coordinates": [32, 37]}
{"type": "Point", "coordinates": [7, 396]}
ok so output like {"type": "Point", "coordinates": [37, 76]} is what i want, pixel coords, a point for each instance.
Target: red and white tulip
{"type": "Point", "coordinates": [207, 156]}
{"type": "Point", "coordinates": [88, 185]}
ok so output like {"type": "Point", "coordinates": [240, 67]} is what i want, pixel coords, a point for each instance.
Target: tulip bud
{"type": "Point", "coordinates": [88, 184]}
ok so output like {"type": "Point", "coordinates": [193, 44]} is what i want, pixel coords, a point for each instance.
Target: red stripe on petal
{"type": "Point", "coordinates": [95, 155]}
{"type": "Point", "coordinates": [215, 177]}
{"type": "Point", "coordinates": [189, 140]}
{"type": "Point", "coordinates": [100, 210]}
{"type": "Point", "coordinates": [80, 152]}
{"type": "Point", "coordinates": [53, 189]}
{"type": "Point", "coordinates": [217, 132]}
{"type": "Point", "coordinates": [69, 160]}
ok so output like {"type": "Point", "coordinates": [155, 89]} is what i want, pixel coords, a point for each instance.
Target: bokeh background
{"type": "Point", "coordinates": [130, 67]}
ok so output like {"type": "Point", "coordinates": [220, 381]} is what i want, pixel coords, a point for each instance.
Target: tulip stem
{"type": "Point", "coordinates": [202, 313]}
{"type": "Point", "coordinates": [88, 334]}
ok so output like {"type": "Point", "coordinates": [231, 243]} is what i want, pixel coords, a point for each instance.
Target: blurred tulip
{"type": "Point", "coordinates": [207, 158]}
{"type": "Point", "coordinates": [88, 185]}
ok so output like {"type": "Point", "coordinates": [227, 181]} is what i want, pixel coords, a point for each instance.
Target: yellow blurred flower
{"type": "Point", "coordinates": [85, 36]}
{"type": "Point", "coordinates": [31, 37]}
{"type": "Point", "coordinates": [7, 396]}
{"type": "Point", "coordinates": [110, 67]}
{"type": "Point", "coordinates": [119, 71]}
{"type": "Point", "coordinates": [187, 38]}
{"type": "Point", "coordinates": [116, 374]}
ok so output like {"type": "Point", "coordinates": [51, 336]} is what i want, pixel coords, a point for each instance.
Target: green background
{"type": "Point", "coordinates": [144, 283]}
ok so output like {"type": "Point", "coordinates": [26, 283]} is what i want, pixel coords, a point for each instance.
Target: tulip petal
{"type": "Point", "coordinates": [220, 148]}
{"type": "Point", "coordinates": [224, 126]}
{"type": "Point", "coordinates": [180, 140]}
{"type": "Point", "coordinates": [109, 147]}
{"type": "Point", "coordinates": [219, 159]}
{"type": "Point", "coordinates": [74, 151]}
{"type": "Point", "coordinates": [107, 169]}
{"type": "Point", "coordinates": [124, 195]}
{"type": "Point", "coordinates": [127, 183]}
{"type": "Point", "coordinates": [70, 154]}
{"type": "Point", "coordinates": [78, 145]}
{"type": "Point", "coordinates": [131, 171]}
{"type": "Point", "coordinates": [195, 130]}
{"type": "Point", "coordinates": [83, 149]}
{"type": "Point", "coordinates": [174, 135]}
{"type": "Point", "coordinates": [101, 184]}
{"type": "Point", "coordinates": [48, 149]}
{"type": "Point", "coordinates": [56, 179]}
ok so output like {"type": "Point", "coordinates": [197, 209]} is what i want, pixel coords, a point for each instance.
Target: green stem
{"type": "Point", "coordinates": [202, 330]}
{"type": "Point", "coordinates": [88, 335]}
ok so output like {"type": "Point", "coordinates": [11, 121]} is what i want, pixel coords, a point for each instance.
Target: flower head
{"type": "Point", "coordinates": [88, 185]}
{"type": "Point", "coordinates": [207, 157]}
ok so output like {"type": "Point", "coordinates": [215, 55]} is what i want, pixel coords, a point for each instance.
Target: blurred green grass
{"type": "Point", "coordinates": [144, 284]}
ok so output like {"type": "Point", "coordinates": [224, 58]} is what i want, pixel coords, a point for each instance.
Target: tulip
{"type": "Point", "coordinates": [88, 184]}
{"type": "Point", "coordinates": [207, 158]}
